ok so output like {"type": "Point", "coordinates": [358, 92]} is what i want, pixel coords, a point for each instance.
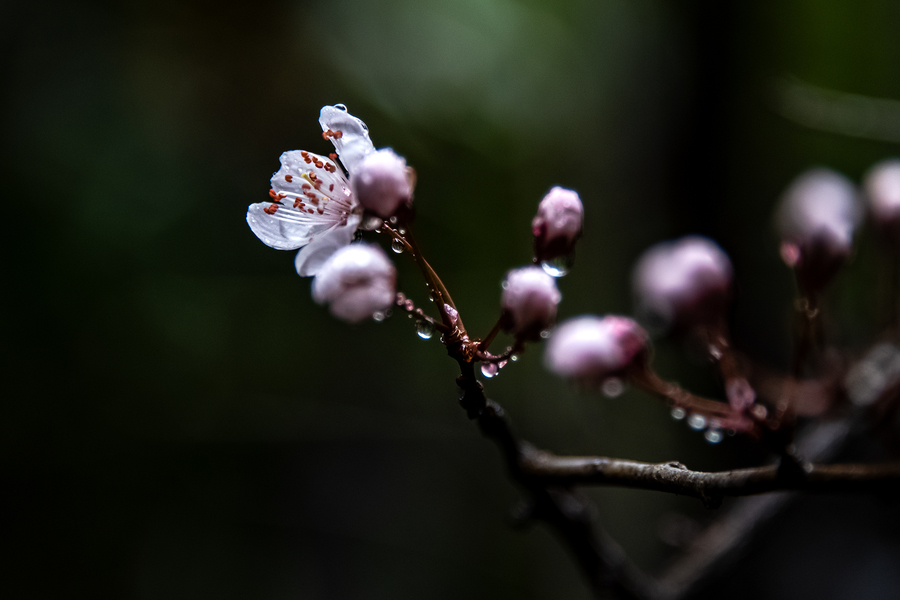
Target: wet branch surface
{"type": "Point", "coordinates": [549, 480]}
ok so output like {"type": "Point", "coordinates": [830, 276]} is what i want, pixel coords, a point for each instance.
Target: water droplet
{"type": "Point", "coordinates": [713, 436]}
{"type": "Point", "coordinates": [514, 357]}
{"type": "Point", "coordinates": [489, 370]}
{"type": "Point", "coordinates": [678, 413]}
{"type": "Point", "coordinates": [408, 305]}
{"type": "Point", "coordinates": [505, 285]}
{"type": "Point", "coordinates": [401, 231]}
{"type": "Point", "coordinates": [393, 220]}
{"type": "Point", "coordinates": [612, 387]}
{"type": "Point", "coordinates": [372, 223]}
{"type": "Point", "coordinates": [341, 107]}
{"type": "Point", "coordinates": [424, 329]}
{"type": "Point", "coordinates": [378, 316]}
{"type": "Point", "coordinates": [545, 334]}
{"type": "Point", "coordinates": [397, 246]}
{"type": "Point", "coordinates": [696, 422]}
{"type": "Point", "coordinates": [559, 267]}
{"type": "Point", "coordinates": [715, 352]}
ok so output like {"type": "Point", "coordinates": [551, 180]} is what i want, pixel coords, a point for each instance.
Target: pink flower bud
{"type": "Point", "coordinates": [592, 349]}
{"type": "Point", "coordinates": [529, 302]}
{"type": "Point", "coordinates": [356, 282]}
{"type": "Point", "coordinates": [817, 217]}
{"type": "Point", "coordinates": [557, 225]}
{"type": "Point", "coordinates": [684, 283]}
{"type": "Point", "coordinates": [380, 182]}
{"type": "Point", "coordinates": [882, 185]}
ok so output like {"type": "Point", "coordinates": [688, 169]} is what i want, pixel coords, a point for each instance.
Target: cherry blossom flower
{"type": "Point", "coordinates": [381, 182]}
{"type": "Point", "coordinates": [312, 206]}
{"type": "Point", "coordinates": [557, 224]}
{"type": "Point", "coordinates": [818, 215]}
{"type": "Point", "coordinates": [683, 283]}
{"type": "Point", "coordinates": [882, 185]}
{"type": "Point", "coordinates": [591, 349]}
{"type": "Point", "coordinates": [356, 281]}
{"type": "Point", "coordinates": [529, 302]}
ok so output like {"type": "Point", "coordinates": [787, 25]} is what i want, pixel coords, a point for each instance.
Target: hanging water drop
{"type": "Point", "coordinates": [612, 387]}
{"type": "Point", "coordinates": [715, 352]}
{"type": "Point", "coordinates": [514, 357]}
{"type": "Point", "coordinates": [489, 370]}
{"type": "Point", "coordinates": [397, 246]}
{"type": "Point", "coordinates": [678, 413]}
{"type": "Point", "coordinates": [696, 422]}
{"type": "Point", "coordinates": [378, 316]}
{"type": "Point", "coordinates": [559, 267]}
{"type": "Point", "coordinates": [713, 436]}
{"type": "Point", "coordinates": [424, 329]}
{"type": "Point", "coordinates": [545, 334]}
{"type": "Point", "coordinates": [372, 223]}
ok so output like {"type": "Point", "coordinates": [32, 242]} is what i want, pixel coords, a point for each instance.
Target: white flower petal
{"type": "Point", "coordinates": [311, 258]}
{"type": "Point", "coordinates": [352, 142]}
{"type": "Point", "coordinates": [284, 230]}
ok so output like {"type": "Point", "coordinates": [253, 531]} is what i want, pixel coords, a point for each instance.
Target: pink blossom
{"type": "Point", "coordinates": [311, 205]}
{"type": "Point", "coordinates": [683, 283]}
{"type": "Point", "coordinates": [529, 302]}
{"type": "Point", "coordinates": [592, 349]}
{"type": "Point", "coordinates": [882, 186]}
{"type": "Point", "coordinates": [380, 182]}
{"type": "Point", "coordinates": [356, 281]}
{"type": "Point", "coordinates": [817, 217]}
{"type": "Point", "coordinates": [557, 225]}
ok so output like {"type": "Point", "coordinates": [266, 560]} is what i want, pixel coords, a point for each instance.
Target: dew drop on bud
{"type": "Point", "coordinates": [678, 413]}
{"type": "Point", "coordinates": [713, 436]}
{"type": "Point", "coordinates": [372, 223]}
{"type": "Point", "coordinates": [558, 267]}
{"type": "Point", "coordinates": [489, 370]}
{"type": "Point", "coordinates": [424, 329]}
{"type": "Point", "coordinates": [378, 316]}
{"type": "Point", "coordinates": [397, 246]}
{"type": "Point", "coordinates": [696, 422]}
{"type": "Point", "coordinates": [612, 387]}
{"type": "Point", "coordinates": [545, 334]}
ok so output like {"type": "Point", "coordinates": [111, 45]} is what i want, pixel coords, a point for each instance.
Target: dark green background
{"type": "Point", "coordinates": [180, 420]}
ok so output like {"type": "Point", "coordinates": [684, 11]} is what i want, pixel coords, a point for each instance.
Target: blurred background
{"type": "Point", "coordinates": [180, 420]}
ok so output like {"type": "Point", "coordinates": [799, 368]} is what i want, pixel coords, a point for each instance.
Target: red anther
{"type": "Point", "coordinates": [270, 210]}
{"type": "Point", "coordinates": [312, 176]}
{"type": "Point", "coordinates": [308, 160]}
{"type": "Point", "coordinates": [321, 211]}
{"type": "Point", "coordinates": [304, 153]}
{"type": "Point", "coordinates": [329, 167]}
{"type": "Point", "coordinates": [332, 156]}
{"type": "Point", "coordinates": [298, 202]}
{"type": "Point", "coordinates": [282, 196]}
{"type": "Point", "coordinates": [337, 134]}
{"type": "Point", "coordinates": [314, 200]}
{"type": "Point", "coordinates": [289, 178]}
{"type": "Point", "coordinates": [319, 164]}
{"type": "Point", "coordinates": [272, 194]}
{"type": "Point", "coordinates": [310, 211]}
{"type": "Point", "coordinates": [326, 134]}
{"type": "Point", "coordinates": [305, 186]}
{"type": "Point", "coordinates": [331, 188]}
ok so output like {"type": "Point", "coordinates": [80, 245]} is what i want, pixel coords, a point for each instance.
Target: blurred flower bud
{"type": "Point", "coordinates": [592, 349]}
{"type": "Point", "coordinates": [380, 182]}
{"type": "Point", "coordinates": [882, 186]}
{"type": "Point", "coordinates": [683, 284]}
{"type": "Point", "coordinates": [557, 225]}
{"type": "Point", "coordinates": [817, 217]}
{"type": "Point", "coordinates": [356, 282]}
{"type": "Point", "coordinates": [529, 302]}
